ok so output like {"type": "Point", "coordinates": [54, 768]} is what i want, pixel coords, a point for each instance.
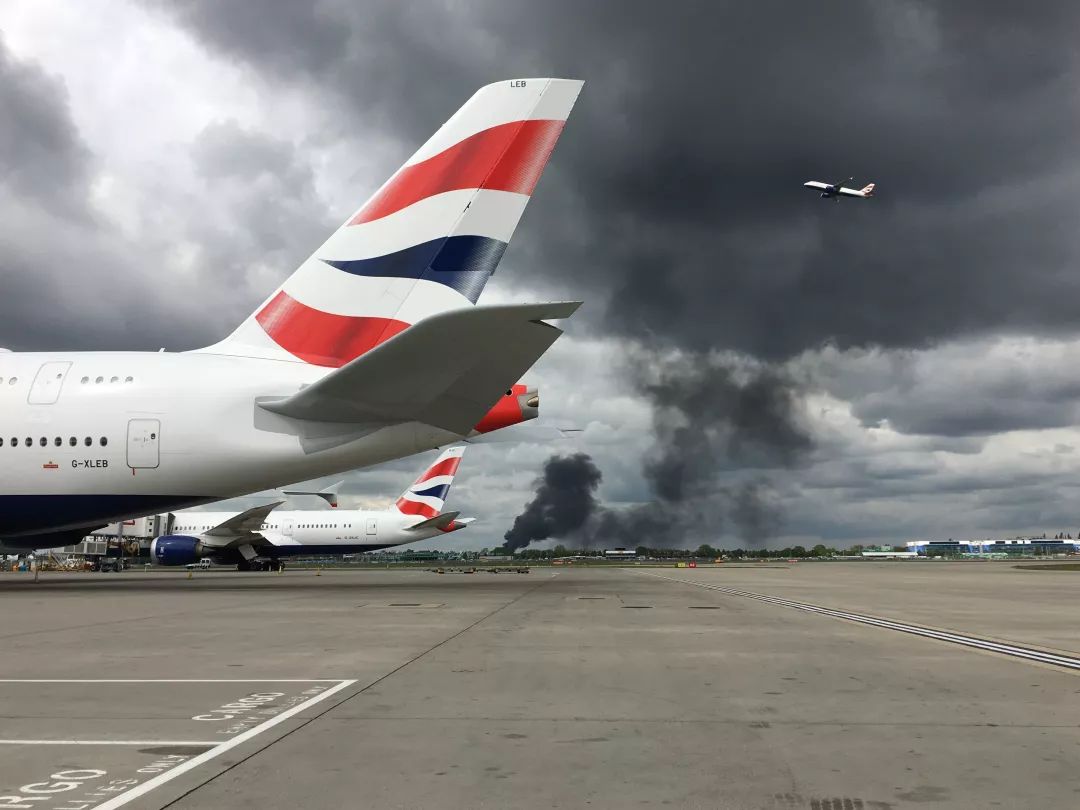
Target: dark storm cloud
{"type": "Point", "coordinates": [45, 174]}
{"type": "Point", "coordinates": [700, 121]}
{"type": "Point", "coordinates": [965, 389]}
{"type": "Point", "coordinates": [254, 217]}
{"type": "Point", "coordinates": [42, 156]}
{"type": "Point", "coordinates": [273, 217]}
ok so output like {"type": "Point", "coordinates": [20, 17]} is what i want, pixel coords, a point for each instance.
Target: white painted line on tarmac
{"type": "Point", "coordinates": [1012, 650]}
{"type": "Point", "coordinates": [206, 756]}
{"type": "Point", "coordinates": [110, 742]}
{"type": "Point", "coordinates": [170, 680]}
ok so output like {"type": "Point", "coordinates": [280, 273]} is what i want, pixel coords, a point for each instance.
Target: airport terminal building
{"type": "Point", "coordinates": [1021, 546]}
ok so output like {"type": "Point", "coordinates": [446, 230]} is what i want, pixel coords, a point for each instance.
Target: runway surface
{"type": "Point", "coordinates": [768, 686]}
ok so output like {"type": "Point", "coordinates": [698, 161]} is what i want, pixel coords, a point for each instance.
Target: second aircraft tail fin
{"type": "Point", "coordinates": [427, 494]}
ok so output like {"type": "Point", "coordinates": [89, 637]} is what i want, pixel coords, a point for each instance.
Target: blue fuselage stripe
{"type": "Point", "coordinates": [26, 515]}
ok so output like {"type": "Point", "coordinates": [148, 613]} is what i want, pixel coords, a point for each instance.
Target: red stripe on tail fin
{"type": "Point", "coordinates": [507, 157]}
{"type": "Point", "coordinates": [322, 338]}
{"type": "Point", "coordinates": [447, 466]}
{"type": "Point", "coordinates": [415, 508]}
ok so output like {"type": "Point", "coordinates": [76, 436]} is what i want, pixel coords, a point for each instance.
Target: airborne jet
{"type": "Point", "coordinates": [837, 190]}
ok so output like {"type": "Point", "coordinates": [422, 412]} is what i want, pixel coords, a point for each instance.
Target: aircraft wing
{"type": "Point", "coordinates": [816, 184]}
{"type": "Point", "coordinates": [244, 524]}
{"type": "Point", "coordinates": [445, 371]}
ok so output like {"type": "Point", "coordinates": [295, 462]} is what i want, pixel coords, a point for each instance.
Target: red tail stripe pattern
{"type": "Point", "coordinates": [445, 467]}
{"type": "Point", "coordinates": [507, 157]}
{"type": "Point", "coordinates": [415, 508]}
{"type": "Point", "coordinates": [322, 338]}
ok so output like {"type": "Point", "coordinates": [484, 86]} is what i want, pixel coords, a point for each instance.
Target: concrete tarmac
{"type": "Point", "coordinates": [591, 687]}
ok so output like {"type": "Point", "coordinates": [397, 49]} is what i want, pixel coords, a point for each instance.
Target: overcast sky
{"type": "Point", "coordinates": [771, 367]}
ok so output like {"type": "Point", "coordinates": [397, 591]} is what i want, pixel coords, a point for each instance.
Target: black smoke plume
{"type": "Point", "coordinates": [564, 501]}
{"type": "Point", "coordinates": [715, 417]}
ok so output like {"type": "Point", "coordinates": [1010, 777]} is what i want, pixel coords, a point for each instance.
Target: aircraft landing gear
{"type": "Point", "coordinates": [260, 565]}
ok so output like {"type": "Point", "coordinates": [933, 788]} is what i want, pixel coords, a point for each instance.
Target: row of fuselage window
{"type": "Point", "coordinates": [84, 380]}
{"type": "Point", "coordinates": [58, 441]}
{"type": "Point", "coordinates": [268, 526]}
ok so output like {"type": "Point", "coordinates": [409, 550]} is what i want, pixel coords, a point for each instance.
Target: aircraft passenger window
{"type": "Point", "coordinates": [43, 441]}
{"type": "Point", "coordinates": [114, 379]}
{"type": "Point", "coordinates": [129, 379]}
{"type": "Point", "coordinates": [104, 441]}
{"type": "Point", "coordinates": [1, 442]}
{"type": "Point", "coordinates": [88, 441]}
{"type": "Point", "coordinates": [84, 380]}
{"type": "Point", "coordinates": [58, 441]}
{"type": "Point", "coordinates": [73, 441]}
{"type": "Point", "coordinates": [13, 380]}
{"type": "Point", "coordinates": [14, 442]}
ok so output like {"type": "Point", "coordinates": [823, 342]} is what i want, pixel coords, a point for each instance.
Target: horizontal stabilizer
{"type": "Point", "coordinates": [245, 523]}
{"type": "Point", "coordinates": [329, 494]}
{"type": "Point", "coordinates": [437, 522]}
{"type": "Point", "coordinates": [445, 371]}
{"type": "Point", "coordinates": [525, 433]}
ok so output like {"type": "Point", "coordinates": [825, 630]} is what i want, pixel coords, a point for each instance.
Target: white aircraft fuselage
{"type": "Point", "coordinates": [306, 532]}
{"type": "Point", "coordinates": [91, 438]}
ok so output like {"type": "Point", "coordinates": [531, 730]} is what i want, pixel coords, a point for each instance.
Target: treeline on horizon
{"type": "Point", "coordinates": [702, 552]}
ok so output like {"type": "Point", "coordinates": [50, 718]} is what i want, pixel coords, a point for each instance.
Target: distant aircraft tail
{"type": "Point", "coordinates": [426, 242]}
{"type": "Point", "coordinates": [428, 493]}
{"type": "Point", "coordinates": [868, 190]}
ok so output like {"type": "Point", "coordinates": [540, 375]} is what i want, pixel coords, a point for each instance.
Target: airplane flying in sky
{"type": "Point", "coordinates": [371, 350]}
{"type": "Point", "coordinates": [261, 537]}
{"type": "Point", "coordinates": [837, 190]}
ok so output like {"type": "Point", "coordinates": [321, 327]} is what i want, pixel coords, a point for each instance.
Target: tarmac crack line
{"type": "Point", "coordinates": [1010, 650]}
{"type": "Point", "coordinates": [360, 691]}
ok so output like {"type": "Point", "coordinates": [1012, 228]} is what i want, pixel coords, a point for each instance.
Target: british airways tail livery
{"type": "Point", "coordinates": [262, 536]}
{"type": "Point", "coordinates": [372, 350]}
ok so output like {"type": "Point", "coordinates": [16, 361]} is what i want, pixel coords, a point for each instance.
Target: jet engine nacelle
{"type": "Point", "coordinates": [176, 549]}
